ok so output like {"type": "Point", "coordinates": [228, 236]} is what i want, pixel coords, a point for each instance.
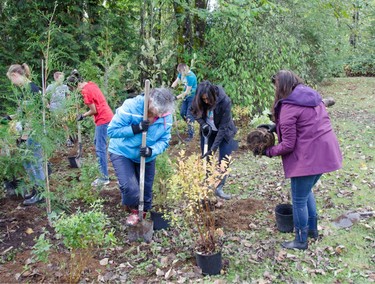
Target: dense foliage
{"type": "Point", "coordinates": [238, 44]}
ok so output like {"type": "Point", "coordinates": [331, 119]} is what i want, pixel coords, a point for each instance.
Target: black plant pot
{"type": "Point", "coordinates": [284, 218]}
{"type": "Point", "coordinates": [209, 263]}
{"type": "Point", "coordinates": [159, 221]}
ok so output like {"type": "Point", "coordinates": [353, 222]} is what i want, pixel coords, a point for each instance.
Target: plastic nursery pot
{"type": "Point", "coordinates": [284, 218]}
{"type": "Point", "coordinates": [209, 263]}
{"type": "Point", "coordinates": [159, 221]}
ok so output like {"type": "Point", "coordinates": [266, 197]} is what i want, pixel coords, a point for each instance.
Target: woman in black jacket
{"type": "Point", "coordinates": [212, 110]}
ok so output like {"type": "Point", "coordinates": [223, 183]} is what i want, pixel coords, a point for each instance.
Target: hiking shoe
{"type": "Point", "coordinates": [100, 182]}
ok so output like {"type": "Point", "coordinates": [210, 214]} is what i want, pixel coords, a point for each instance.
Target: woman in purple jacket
{"type": "Point", "coordinates": [308, 147]}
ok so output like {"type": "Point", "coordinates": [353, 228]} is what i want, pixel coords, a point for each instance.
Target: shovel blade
{"type": "Point", "coordinates": [75, 162]}
{"type": "Point", "coordinates": [143, 231]}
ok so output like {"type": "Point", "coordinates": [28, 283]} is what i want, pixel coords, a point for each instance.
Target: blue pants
{"type": "Point", "coordinates": [128, 174]}
{"type": "Point", "coordinates": [34, 167]}
{"type": "Point", "coordinates": [100, 141]}
{"type": "Point", "coordinates": [187, 115]}
{"type": "Point", "coordinates": [304, 206]}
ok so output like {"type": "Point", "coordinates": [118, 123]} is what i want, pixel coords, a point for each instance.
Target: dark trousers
{"type": "Point", "coordinates": [128, 174]}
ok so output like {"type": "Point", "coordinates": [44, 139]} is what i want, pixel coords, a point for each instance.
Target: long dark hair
{"type": "Point", "coordinates": [199, 107]}
{"type": "Point", "coordinates": [285, 81]}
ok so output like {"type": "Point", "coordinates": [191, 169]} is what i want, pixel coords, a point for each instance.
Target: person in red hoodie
{"type": "Point", "coordinates": [307, 145]}
{"type": "Point", "coordinates": [99, 108]}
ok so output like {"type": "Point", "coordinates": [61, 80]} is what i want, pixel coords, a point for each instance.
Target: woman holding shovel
{"type": "Point", "coordinates": [212, 110]}
{"type": "Point", "coordinates": [28, 100]}
{"type": "Point", "coordinates": [99, 108]}
{"type": "Point", "coordinates": [125, 132]}
{"type": "Point", "coordinates": [308, 147]}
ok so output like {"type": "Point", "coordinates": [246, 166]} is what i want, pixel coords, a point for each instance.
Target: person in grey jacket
{"type": "Point", "coordinates": [125, 132]}
{"type": "Point", "coordinates": [308, 147]}
{"type": "Point", "coordinates": [212, 110]}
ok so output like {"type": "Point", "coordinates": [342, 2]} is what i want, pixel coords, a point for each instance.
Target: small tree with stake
{"type": "Point", "coordinates": [192, 186]}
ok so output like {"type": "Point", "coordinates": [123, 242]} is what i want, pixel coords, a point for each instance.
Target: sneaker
{"type": "Point", "coordinates": [100, 182]}
{"type": "Point", "coordinates": [33, 200]}
{"type": "Point", "coordinates": [69, 143]}
{"type": "Point", "coordinates": [133, 218]}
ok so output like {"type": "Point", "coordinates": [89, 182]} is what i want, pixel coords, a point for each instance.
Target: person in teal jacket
{"type": "Point", "coordinates": [125, 132]}
{"type": "Point", "coordinates": [189, 80]}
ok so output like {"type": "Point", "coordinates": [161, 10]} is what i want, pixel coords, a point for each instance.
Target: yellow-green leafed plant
{"type": "Point", "coordinates": [192, 187]}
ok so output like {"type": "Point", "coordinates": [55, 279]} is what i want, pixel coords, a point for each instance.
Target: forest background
{"type": "Point", "coordinates": [237, 44]}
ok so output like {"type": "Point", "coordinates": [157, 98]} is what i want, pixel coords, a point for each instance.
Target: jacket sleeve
{"type": "Point", "coordinates": [120, 125]}
{"type": "Point", "coordinates": [163, 142]}
{"type": "Point", "coordinates": [288, 132]}
{"type": "Point", "coordinates": [226, 118]}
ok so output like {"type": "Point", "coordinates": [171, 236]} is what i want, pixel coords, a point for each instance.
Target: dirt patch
{"type": "Point", "coordinates": [238, 214]}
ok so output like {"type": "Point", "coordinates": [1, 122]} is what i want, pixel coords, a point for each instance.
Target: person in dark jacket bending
{"type": "Point", "coordinates": [212, 110]}
{"type": "Point", "coordinates": [308, 147]}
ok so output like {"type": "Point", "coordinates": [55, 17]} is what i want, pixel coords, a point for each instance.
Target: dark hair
{"type": "Point", "coordinates": [199, 107]}
{"type": "Point", "coordinates": [285, 81]}
{"type": "Point", "coordinates": [74, 79]}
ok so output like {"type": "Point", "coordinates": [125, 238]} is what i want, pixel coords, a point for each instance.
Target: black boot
{"type": "Point", "coordinates": [300, 241]}
{"type": "Point", "coordinates": [313, 228]}
{"type": "Point", "coordinates": [219, 190]}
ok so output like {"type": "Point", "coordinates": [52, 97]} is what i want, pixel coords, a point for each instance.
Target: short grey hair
{"type": "Point", "coordinates": [162, 100]}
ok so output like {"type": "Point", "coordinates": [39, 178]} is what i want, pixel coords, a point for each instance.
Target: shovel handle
{"type": "Point", "coordinates": [143, 159]}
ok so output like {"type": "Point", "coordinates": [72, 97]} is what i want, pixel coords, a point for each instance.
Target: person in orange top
{"type": "Point", "coordinates": [99, 108]}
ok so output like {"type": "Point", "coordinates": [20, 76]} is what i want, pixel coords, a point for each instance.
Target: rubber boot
{"type": "Point", "coordinates": [219, 190]}
{"type": "Point", "coordinates": [300, 240]}
{"type": "Point", "coordinates": [313, 228]}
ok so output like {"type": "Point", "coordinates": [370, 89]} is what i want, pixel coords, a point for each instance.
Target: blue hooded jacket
{"type": "Point", "coordinates": [123, 142]}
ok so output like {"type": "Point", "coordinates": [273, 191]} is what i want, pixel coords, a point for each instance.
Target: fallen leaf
{"type": "Point", "coordinates": [159, 272]}
{"type": "Point", "coordinates": [104, 261]}
{"type": "Point", "coordinates": [29, 231]}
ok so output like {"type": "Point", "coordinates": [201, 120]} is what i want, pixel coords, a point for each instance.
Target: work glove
{"type": "Point", "coordinates": [145, 152]}
{"type": "Point", "coordinates": [270, 127]}
{"type": "Point", "coordinates": [80, 117]}
{"type": "Point", "coordinates": [6, 117]}
{"type": "Point", "coordinates": [207, 154]}
{"type": "Point", "coordinates": [256, 152]}
{"type": "Point", "coordinates": [142, 126]}
{"type": "Point", "coordinates": [206, 129]}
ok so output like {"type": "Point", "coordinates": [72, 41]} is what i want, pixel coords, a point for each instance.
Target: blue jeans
{"type": "Point", "coordinates": [303, 200]}
{"type": "Point", "coordinates": [128, 174]}
{"type": "Point", "coordinates": [100, 141]}
{"type": "Point", "coordinates": [34, 167]}
{"type": "Point", "coordinates": [187, 115]}
{"type": "Point", "coordinates": [225, 148]}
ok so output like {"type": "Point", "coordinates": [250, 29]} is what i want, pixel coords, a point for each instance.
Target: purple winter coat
{"type": "Point", "coordinates": [307, 143]}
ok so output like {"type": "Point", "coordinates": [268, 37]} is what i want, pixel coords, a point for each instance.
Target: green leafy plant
{"type": "Point", "coordinates": [163, 171]}
{"type": "Point", "coordinates": [41, 249]}
{"type": "Point", "coordinates": [192, 186]}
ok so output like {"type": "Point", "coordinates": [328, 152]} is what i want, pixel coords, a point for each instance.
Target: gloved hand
{"type": "Point", "coordinates": [256, 152]}
{"type": "Point", "coordinates": [206, 129]}
{"type": "Point", "coordinates": [145, 152]}
{"type": "Point", "coordinates": [80, 117]}
{"type": "Point", "coordinates": [270, 127]}
{"type": "Point", "coordinates": [207, 154]}
{"type": "Point", "coordinates": [142, 126]}
{"type": "Point", "coordinates": [7, 117]}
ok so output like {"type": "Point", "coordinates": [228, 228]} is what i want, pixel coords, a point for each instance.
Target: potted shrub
{"type": "Point", "coordinates": [160, 204]}
{"type": "Point", "coordinates": [192, 187]}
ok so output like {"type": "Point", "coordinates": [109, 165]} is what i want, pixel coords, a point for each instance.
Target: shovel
{"type": "Point", "coordinates": [205, 147]}
{"type": "Point", "coordinates": [144, 228]}
{"type": "Point", "coordinates": [75, 161]}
